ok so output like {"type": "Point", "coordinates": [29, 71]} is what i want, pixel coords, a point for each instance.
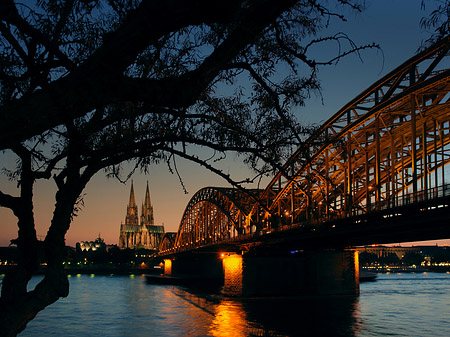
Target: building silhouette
{"type": "Point", "coordinates": [140, 232]}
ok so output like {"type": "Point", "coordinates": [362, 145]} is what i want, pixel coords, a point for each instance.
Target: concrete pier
{"type": "Point", "coordinates": [316, 272]}
{"type": "Point", "coordinates": [324, 272]}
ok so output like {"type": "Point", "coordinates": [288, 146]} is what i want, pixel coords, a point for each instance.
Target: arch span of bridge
{"type": "Point", "coordinates": [383, 151]}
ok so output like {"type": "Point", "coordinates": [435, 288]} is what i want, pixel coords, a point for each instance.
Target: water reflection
{"type": "Point", "coordinates": [126, 306]}
{"type": "Point", "coordinates": [229, 320]}
{"type": "Point", "coordinates": [290, 316]}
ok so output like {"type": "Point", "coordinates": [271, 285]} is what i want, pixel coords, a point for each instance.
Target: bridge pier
{"type": "Point", "coordinates": [195, 269]}
{"type": "Point", "coordinates": [320, 272]}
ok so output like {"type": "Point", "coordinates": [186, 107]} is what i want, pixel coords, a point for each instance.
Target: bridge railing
{"type": "Point", "coordinates": [393, 203]}
{"type": "Point", "coordinates": [406, 199]}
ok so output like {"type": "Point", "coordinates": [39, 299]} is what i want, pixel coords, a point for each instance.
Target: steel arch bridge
{"type": "Point", "coordinates": [213, 215]}
{"type": "Point", "coordinates": [386, 148]}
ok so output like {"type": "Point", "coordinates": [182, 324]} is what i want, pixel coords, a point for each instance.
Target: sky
{"type": "Point", "coordinates": [393, 24]}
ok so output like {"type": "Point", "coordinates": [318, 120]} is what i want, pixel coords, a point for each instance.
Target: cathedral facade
{"type": "Point", "coordinates": [140, 232]}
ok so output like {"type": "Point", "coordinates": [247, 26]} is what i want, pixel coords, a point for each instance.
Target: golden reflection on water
{"type": "Point", "coordinates": [219, 316]}
{"type": "Point", "coordinates": [357, 325]}
{"type": "Point", "coordinates": [229, 320]}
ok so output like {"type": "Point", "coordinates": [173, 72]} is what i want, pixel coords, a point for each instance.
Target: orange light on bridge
{"type": "Point", "coordinates": [167, 266]}
{"type": "Point", "coordinates": [233, 269]}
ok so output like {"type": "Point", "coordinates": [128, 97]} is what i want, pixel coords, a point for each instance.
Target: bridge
{"type": "Point", "coordinates": [373, 173]}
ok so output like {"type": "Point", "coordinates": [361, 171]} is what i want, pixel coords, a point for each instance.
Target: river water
{"type": "Point", "coordinates": [394, 305]}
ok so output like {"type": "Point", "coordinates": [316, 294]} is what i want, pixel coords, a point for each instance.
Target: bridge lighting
{"type": "Point", "coordinates": [167, 267]}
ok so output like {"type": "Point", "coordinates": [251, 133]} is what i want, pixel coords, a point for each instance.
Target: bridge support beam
{"type": "Point", "coordinates": [323, 272]}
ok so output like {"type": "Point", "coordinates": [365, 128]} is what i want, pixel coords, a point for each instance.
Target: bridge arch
{"type": "Point", "coordinates": [167, 242]}
{"type": "Point", "coordinates": [214, 214]}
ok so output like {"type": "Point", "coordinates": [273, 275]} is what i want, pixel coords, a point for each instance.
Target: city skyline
{"type": "Point", "coordinates": [399, 35]}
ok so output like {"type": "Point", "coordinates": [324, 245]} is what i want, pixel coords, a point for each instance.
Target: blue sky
{"type": "Point", "coordinates": [393, 24]}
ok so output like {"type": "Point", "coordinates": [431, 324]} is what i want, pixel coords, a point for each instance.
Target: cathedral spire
{"type": "Point", "coordinates": [132, 218]}
{"type": "Point", "coordinates": [147, 202]}
{"type": "Point", "coordinates": [132, 202]}
{"type": "Point", "coordinates": [147, 210]}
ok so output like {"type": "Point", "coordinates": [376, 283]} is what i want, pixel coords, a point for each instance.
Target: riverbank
{"type": "Point", "coordinates": [126, 269]}
{"type": "Point", "coordinates": [107, 269]}
{"type": "Point", "coordinates": [404, 269]}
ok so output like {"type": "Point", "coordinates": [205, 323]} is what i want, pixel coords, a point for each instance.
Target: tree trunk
{"type": "Point", "coordinates": [17, 310]}
{"type": "Point", "coordinates": [19, 306]}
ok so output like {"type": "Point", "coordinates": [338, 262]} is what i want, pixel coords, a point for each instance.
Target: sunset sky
{"type": "Point", "coordinates": [393, 24]}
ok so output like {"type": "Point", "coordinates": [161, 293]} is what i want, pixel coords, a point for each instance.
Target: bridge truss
{"type": "Point", "coordinates": [213, 215]}
{"type": "Point", "coordinates": [385, 148]}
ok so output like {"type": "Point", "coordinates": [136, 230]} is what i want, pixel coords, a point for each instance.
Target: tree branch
{"type": "Point", "coordinates": [95, 83]}
{"type": "Point", "coordinates": [9, 201]}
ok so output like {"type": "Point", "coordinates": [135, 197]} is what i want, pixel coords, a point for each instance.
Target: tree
{"type": "Point", "coordinates": [412, 258]}
{"type": "Point", "coordinates": [367, 259]}
{"type": "Point", "coordinates": [389, 259]}
{"type": "Point", "coordinates": [441, 255]}
{"type": "Point", "coordinates": [438, 21]}
{"type": "Point", "coordinates": [86, 85]}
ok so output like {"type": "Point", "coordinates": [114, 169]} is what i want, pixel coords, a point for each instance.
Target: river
{"type": "Point", "coordinates": [395, 305]}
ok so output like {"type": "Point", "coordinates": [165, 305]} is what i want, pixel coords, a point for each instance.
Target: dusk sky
{"type": "Point", "coordinates": [393, 24]}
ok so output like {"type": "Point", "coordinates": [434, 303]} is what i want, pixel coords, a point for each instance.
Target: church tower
{"type": "Point", "coordinates": [127, 238]}
{"type": "Point", "coordinates": [140, 234]}
{"type": "Point", "coordinates": [147, 210]}
{"type": "Point", "coordinates": [131, 218]}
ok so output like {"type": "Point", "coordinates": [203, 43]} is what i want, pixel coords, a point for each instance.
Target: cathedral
{"type": "Point", "coordinates": [143, 233]}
